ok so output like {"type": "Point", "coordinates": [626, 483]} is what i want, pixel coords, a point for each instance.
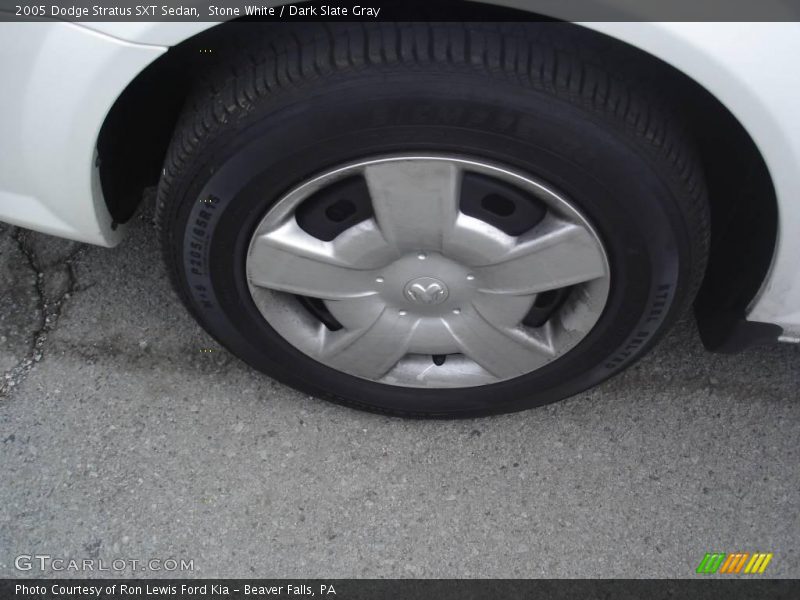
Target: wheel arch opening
{"type": "Point", "coordinates": [134, 138]}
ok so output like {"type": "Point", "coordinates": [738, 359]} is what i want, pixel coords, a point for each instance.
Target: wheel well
{"type": "Point", "coordinates": [744, 217]}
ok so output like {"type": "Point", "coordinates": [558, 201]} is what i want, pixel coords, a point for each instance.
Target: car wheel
{"type": "Point", "coordinates": [430, 220]}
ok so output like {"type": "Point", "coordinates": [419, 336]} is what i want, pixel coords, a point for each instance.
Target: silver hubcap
{"type": "Point", "coordinates": [421, 294]}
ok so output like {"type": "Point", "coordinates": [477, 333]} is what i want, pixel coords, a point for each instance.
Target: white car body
{"type": "Point", "coordinates": [60, 79]}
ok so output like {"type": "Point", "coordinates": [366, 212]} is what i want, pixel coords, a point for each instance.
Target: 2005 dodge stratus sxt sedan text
{"type": "Point", "coordinates": [427, 219]}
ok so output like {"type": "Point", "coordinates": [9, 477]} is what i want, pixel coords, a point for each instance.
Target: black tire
{"type": "Point", "coordinates": [293, 102]}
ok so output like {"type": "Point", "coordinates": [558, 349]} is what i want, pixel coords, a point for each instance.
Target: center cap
{"type": "Point", "coordinates": [426, 290]}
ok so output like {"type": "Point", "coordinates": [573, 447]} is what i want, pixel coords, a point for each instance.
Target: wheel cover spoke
{"type": "Point", "coordinates": [415, 202]}
{"type": "Point", "coordinates": [289, 260]}
{"type": "Point", "coordinates": [373, 350]}
{"type": "Point", "coordinates": [554, 256]}
{"type": "Point", "coordinates": [502, 351]}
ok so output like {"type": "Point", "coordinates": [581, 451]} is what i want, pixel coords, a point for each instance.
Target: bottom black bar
{"type": "Point", "coordinates": [376, 589]}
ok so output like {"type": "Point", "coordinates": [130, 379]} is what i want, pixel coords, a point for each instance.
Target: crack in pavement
{"type": "Point", "coordinates": [49, 303]}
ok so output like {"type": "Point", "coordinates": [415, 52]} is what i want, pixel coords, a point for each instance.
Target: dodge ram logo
{"type": "Point", "coordinates": [426, 290]}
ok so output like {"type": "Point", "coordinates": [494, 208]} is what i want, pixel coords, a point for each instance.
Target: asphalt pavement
{"type": "Point", "coordinates": [123, 438]}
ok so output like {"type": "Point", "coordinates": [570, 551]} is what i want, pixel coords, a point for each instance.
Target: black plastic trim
{"type": "Point", "coordinates": [729, 333]}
